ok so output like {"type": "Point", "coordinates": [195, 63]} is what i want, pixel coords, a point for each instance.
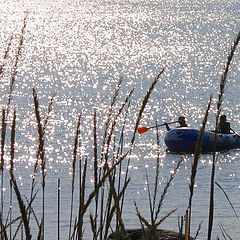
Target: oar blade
{"type": "Point", "coordinates": [142, 130]}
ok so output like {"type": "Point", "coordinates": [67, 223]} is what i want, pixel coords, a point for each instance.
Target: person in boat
{"type": "Point", "coordinates": [181, 121]}
{"type": "Point", "coordinates": [224, 126]}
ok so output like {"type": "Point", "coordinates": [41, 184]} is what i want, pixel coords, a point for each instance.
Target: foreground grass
{"type": "Point", "coordinates": [106, 205]}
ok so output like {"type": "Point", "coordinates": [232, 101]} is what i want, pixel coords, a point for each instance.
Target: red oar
{"type": "Point", "coordinates": [142, 130]}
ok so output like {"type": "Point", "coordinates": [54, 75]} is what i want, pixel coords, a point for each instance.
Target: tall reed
{"type": "Point", "coordinates": [223, 82]}
{"type": "Point", "coordinates": [41, 154]}
{"type": "Point", "coordinates": [5, 56]}
{"type": "Point", "coordinates": [84, 204]}
{"type": "Point", "coordinates": [139, 117]}
{"type": "Point", "coordinates": [150, 227]}
{"type": "Point", "coordinates": [13, 130]}
{"type": "Point", "coordinates": [113, 193]}
{"type": "Point", "coordinates": [3, 138]}
{"type": "Point", "coordinates": [116, 186]}
{"type": "Point", "coordinates": [103, 160]}
{"type": "Point", "coordinates": [15, 65]}
{"type": "Point", "coordinates": [22, 207]}
{"type": "Point", "coordinates": [75, 151]}
{"type": "Point", "coordinates": [229, 201]}
{"type": "Point", "coordinates": [59, 207]}
{"type": "Point", "coordinates": [103, 211]}
{"type": "Point", "coordinates": [95, 173]}
{"type": "Point", "coordinates": [195, 164]}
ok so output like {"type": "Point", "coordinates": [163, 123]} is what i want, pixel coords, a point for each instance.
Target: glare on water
{"type": "Point", "coordinates": [79, 50]}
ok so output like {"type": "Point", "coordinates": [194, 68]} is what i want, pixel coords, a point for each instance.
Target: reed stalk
{"type": "Point", "coordinates": [152, 202]}
{"type": "Point", "coordinates": [10, 207]}
{"type": "Point", "coordinates": [102, 210]}
{"type": "Point", "coordinates": [3, 229]}
{"type": "Point", "coordinates": [5, 56]}
{"type": "Point", "coordinates": [41, 152]}
{"type": "Point", "coordinates": [180, 227]}
{"type": "Point", "coordinates": [224, 233]}
{"type": "Point", "coordinates": [195, 163]}
{"type": "Point", "coordinates": [15, 65]}
{"type": "Point", "coordinates": [156, 174]}
{"type": "Point", "coordinates": [187, 227]}
{"type": "Point", "coordinates": [198, 230]}
{"type": "Point", "coordinates": [108, 143]}
{"type": "Point", "coordinates": [75, 151]}
{"type": "Point", "coordinates": [223, 82]}
{"type": "Point", "coordinates": [108, 120]}
{"type": "Point", "coordinates": [22, 207]}
{"type": "Point", "coordinates": [165, 189]}
{"type": "Point", "coordinates": [104, 147]}
{"type": "Point", "coordinates": [228, 199]}
{"type": "Point", "coordinates": [41, 131]}
{"type": "Point", "coordinates": [114, 194]}
{"type": "Point", "coordinates": [144, 104]}
{"type": "Point", "coordinates": [11, 167]}
{"type": "Point", "coordinates": [103, 193]}
{"type": "Point", "coordinates": [107, 137]}
{"type": "Point", "coordinates": [120, 145]}
{"type": "Point", "coordinates": [84, 204]}
{"type": "Point", "coordinates": [119, 153]}
{"type": "Point", "coordinates": [81, 202]}
{"type": "Point", "coordinates": [117, 199]}
{"type": "Point", "coordinates": [95, 172]}
{"type": "Point", "coordinates": [3, 138]}
{"type": "Point", "coordinates": [6, 112]}
{"type": "Point", "coordinates": [58, 207]}
{"type": "Point", "coordinates": [118, 221]}
{"type": "Point", "coordinates": [139, 117]}
{"type": "Point", "coordinates": [49, 110]}
{"type": "Point", "coordinates": [114, 121]}
{"type": "Point", "coordinates": [155, 207]}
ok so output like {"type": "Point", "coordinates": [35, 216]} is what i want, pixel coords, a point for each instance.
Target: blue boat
{"type": "Point", "coordinates": [183, 140]}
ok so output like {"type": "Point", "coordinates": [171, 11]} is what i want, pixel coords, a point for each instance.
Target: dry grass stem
{"type": "Point", "coordinates": [75, 151]}
{"type": "Point", "coordinates": [224, 233]}
{"type": "Point", "coordinates": [15, 65]}
{"type": "Point", "coordinates": [5, 56]}
{"type": "Point", "coordinates": [139, 117]}
{"type": "Point", "coordinates": [22, 207]}
{"type": "Point", "coordinates": [195, 162]}
{"type": "Point", "coordinates": [229, 201]}
{"type": "Point", "coordinates": [219, 106]}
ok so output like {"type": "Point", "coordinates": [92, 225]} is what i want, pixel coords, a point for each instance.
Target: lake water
{"type": "Point", "coordinates": [79, 50]}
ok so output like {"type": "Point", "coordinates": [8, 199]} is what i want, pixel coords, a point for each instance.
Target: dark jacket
{"type": "Point", "coordinates": [224, 128]}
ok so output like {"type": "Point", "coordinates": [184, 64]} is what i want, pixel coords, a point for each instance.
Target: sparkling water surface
{"type": "Point", "coordinates": [79, 50]}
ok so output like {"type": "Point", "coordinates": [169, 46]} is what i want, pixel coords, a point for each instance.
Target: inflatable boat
{"type": "Point", "coordinates": [183, 140]}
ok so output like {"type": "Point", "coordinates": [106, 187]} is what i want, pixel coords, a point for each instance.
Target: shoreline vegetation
{"type": "Point", "coordinates": [109, 160]}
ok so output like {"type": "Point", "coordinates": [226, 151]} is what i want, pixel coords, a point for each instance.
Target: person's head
{"type": "Point", "coordinates": [223, 118]}
{"type": "Point", "coordinates": [182, 121]}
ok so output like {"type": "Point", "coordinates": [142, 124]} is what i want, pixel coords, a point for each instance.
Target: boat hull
{"type": "Point", "coordinates": [183, 140]}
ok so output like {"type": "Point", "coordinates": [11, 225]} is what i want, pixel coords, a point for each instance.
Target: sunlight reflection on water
{"type": "Point", "coordinates": [80, 50]}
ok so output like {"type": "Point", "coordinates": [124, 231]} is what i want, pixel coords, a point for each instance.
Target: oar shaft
{"type": "Point", "coordinates": [160, 125]}
{"type": "Point", "coordinates": [234, 131]}
{"type": "Point", "coordinates": [142, 130]}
